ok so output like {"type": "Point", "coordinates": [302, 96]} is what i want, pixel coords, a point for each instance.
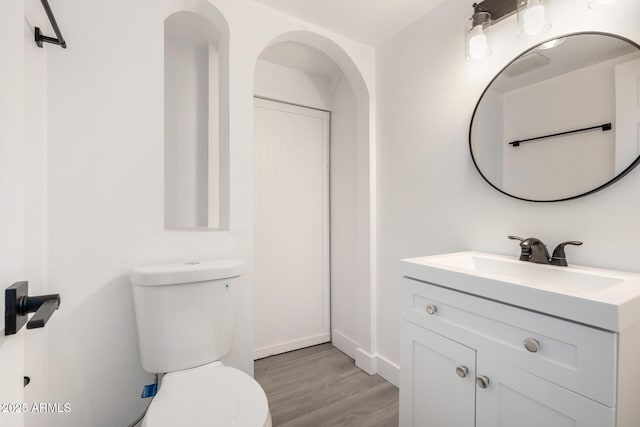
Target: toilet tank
{"type": "Point", "coordinates": [185, 313]}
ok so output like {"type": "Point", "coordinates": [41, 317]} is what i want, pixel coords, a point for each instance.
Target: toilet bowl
{"type": "Point", "coordinates": [213, 395]}
{"type": "Point", "coordinates": [185, 319]}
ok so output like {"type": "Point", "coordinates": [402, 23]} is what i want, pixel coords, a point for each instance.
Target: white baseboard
{"type": "Point", "coordinates": [375, 364]}
{"type": "Point", "coordinates": [388, 370]}
{"type": "Point", "coordinates": [344, 344]}
{"type": "Point", "coordinates": [365, 361]}
{"type": "Point", "coordinates": [263, 352]}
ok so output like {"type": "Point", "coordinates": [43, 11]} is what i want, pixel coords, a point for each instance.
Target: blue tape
{"type": "Point", "coordinates": [149, 390]}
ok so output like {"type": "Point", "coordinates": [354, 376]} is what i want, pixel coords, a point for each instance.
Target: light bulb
{"type": "Point", "coordinates": [478, 44]}
{"type": "Point", "coordinates": [477, 37]}
{"type": "Point", "coordinates": [533, 18]}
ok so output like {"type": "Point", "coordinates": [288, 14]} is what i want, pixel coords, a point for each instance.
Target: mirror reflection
{"type": "Point", "coordinates": [562, 120]}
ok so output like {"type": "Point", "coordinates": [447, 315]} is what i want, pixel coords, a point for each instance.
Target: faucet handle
{"type": "Point", "coordinates": [570, 242]}
{"type": "Point", "coordinates": [559, 258]}
{"type": "Point", "coordinates": [525, 251]}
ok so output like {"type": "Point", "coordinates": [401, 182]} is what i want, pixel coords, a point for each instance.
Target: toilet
{"type": "Point", "coordinates": [185, 316]}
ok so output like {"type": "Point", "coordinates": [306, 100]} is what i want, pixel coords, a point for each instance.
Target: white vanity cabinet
{"type": "Point", "coordinates": [468, 361]}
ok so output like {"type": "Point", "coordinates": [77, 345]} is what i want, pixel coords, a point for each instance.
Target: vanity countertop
{"type": "Point", "coordinates": [606, 299]}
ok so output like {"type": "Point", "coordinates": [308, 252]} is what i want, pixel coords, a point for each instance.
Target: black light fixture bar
{"type": "Point", "coordinates": [41, 39]}
{"type": "Point", "coordinates": [605, 127]}
{"type": "Point", "coordinates": [499, 9]}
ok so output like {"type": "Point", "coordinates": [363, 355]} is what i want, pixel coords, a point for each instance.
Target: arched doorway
{"type": "Point", "coordinates": [309, 70]}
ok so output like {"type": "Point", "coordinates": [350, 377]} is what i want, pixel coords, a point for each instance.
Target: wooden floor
{"type": "Point", "coordinates": [321, 386]}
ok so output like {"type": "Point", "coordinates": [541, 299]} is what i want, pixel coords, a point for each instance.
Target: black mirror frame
{"type": "Point", "coordinates": [595, 190]}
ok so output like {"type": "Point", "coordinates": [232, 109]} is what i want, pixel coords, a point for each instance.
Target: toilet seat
{"type": "Point", "coordinates": [211, 395]}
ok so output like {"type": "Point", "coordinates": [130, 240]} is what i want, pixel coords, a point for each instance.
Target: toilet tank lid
{"type": "Point", "coordinates": [186, 272]}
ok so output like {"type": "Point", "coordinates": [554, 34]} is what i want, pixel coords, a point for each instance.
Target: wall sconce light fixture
{"type": "Point", "coordinates": [534, 19]}
{"type": "Point", "coordinates": [485, 14]}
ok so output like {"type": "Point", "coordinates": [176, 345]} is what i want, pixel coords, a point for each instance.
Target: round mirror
{"type": "Point", "coordinates": [562, 120]}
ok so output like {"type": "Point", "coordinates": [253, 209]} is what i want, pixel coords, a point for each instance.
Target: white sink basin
{"type": "Point", "coordinates": [603, 298]}
{"type": "Point", "coordinates": [575, 279]}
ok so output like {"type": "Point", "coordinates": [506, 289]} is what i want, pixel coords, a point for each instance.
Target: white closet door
{"type": "Point", "coordinates": [291, 233]}
{"type": "Point", "coordinates": [12, 89]}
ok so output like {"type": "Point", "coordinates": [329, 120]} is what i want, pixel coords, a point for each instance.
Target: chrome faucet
{"type": "Point", "coordinates": [533, 250]}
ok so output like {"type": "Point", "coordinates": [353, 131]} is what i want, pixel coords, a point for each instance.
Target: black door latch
{"type": "Point", "coordinates": [18, 304]}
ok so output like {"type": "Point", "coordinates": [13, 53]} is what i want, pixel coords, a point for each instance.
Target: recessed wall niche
{"type": "Point", "coordinates": [196, 144]}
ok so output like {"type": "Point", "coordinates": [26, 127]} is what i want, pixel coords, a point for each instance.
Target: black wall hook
{"type": "Point", "coordinates": [41, 39]}
{"type": "Point", "coordinates": [18, 304]}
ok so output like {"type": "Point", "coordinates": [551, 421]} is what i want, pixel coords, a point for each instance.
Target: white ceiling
{"type": "Point", "coordinates": [368, 21]}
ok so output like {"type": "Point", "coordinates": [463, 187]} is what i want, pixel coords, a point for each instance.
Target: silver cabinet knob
{"type": "Point", "coordinates": [482, 381]}
{"type": "Point", "coordinates": [531, 345]}
{"type": "Point", "coordinates": [431, 309]}
{"type": "Point", "coordinates": [462, 371]}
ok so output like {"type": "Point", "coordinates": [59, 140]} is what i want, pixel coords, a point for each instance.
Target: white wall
{"type": "Point", "coordinates": [345, 332]}
{"type": "Point", "coordinates": [105, 189]}
{"type": "Point", "coordinates": [335, 94]}
{"type": "Point", "coordinates": [430, 197]}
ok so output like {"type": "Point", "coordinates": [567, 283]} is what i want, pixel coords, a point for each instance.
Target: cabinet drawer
{"type": "Point", "coordinates": [574, 356]}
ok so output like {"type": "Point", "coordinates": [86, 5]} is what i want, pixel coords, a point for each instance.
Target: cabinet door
{"type": "Point", "coordinates": [515, 398]}
{"type": "Point", "coordinates": [432, 393]}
